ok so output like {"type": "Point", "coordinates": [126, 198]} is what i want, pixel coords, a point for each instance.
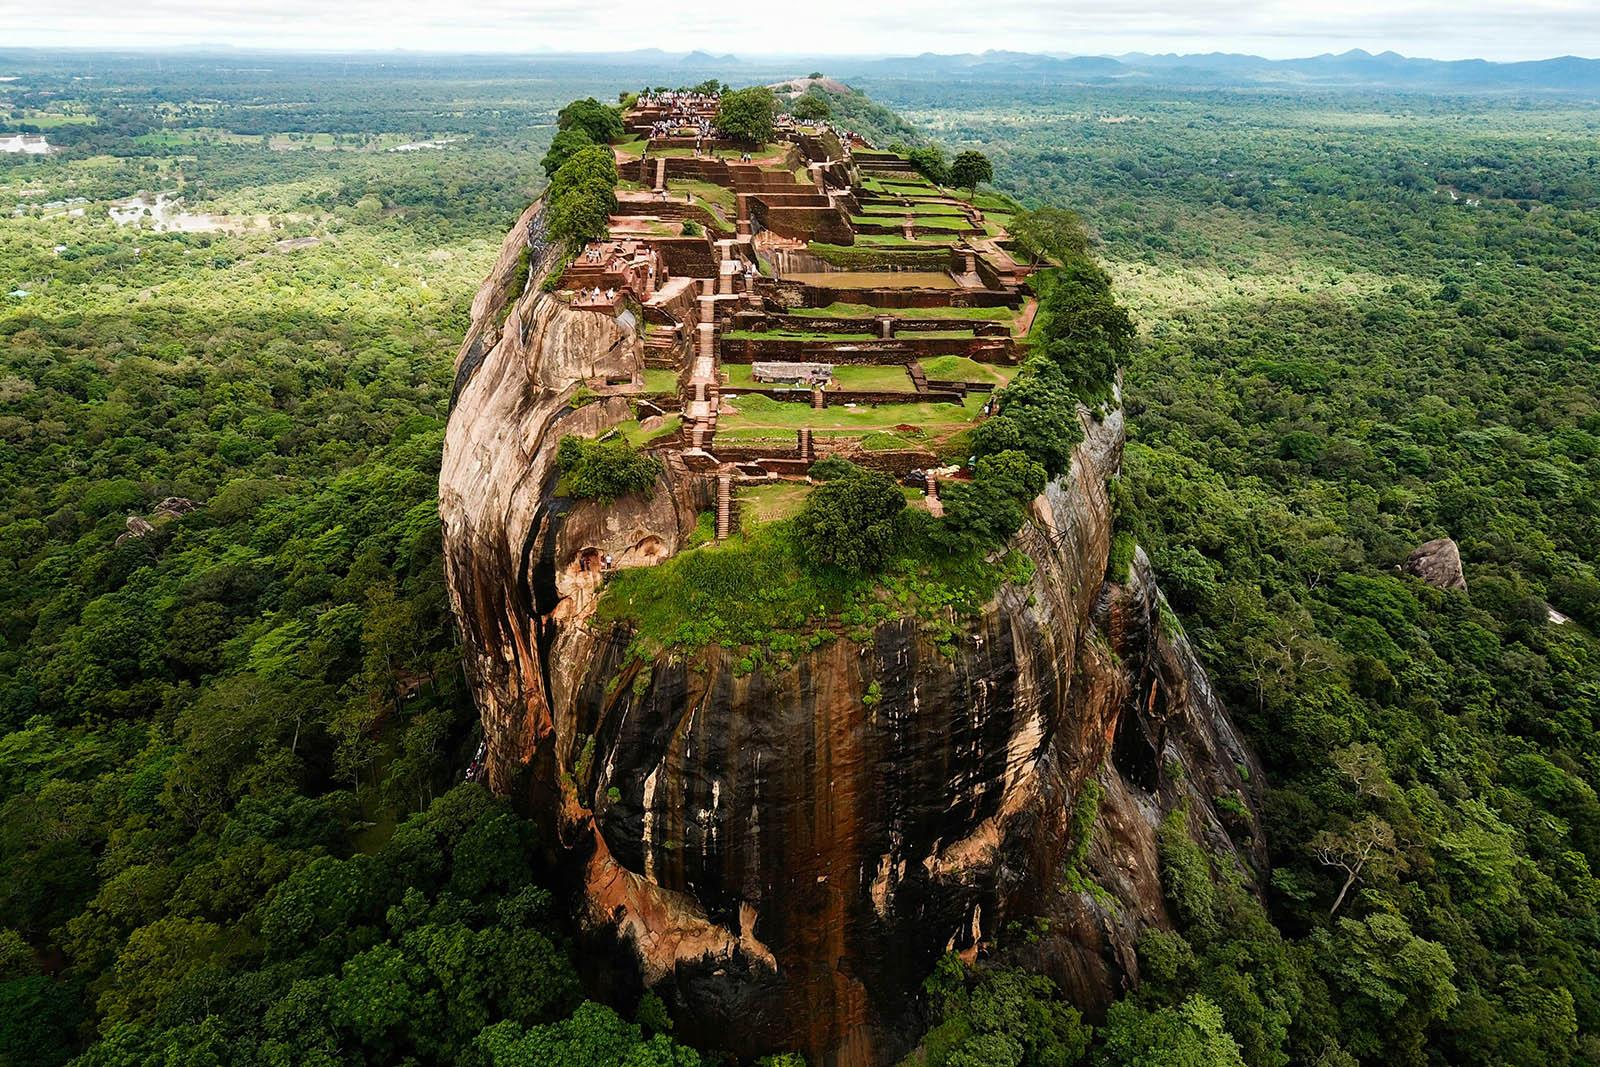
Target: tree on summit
{"type": "Point", "coordinates": [746, 114]}
{"type": "Point", "coordinates": [970, 168]}
{"type": "Point", "coordinates": [567, 143]}
{"type": "Point", "coordinates": [601, 122]}
{"type": "Point", "coordinates": [852, 521]}
{"type": "Point", "coordinates": [1049, 233]}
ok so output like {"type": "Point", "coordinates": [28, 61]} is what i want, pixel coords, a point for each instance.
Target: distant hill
{"type": "Point", "coordinates": [1352, 68]}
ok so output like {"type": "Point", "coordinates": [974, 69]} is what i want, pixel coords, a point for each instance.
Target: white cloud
{"type": "Point", "coordinates": [1278, 28]}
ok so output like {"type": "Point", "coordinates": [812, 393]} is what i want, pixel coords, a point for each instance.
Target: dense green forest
{"type": "Point", "coordinates": [1367, 321]}
{"type": "Point", "coordinates": [232, 824]}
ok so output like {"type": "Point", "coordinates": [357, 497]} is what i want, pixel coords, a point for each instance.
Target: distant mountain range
{"type": "Point", "coordinates": [1348, 69]}
{"type": "Point", "coordinates": [1353, 68]}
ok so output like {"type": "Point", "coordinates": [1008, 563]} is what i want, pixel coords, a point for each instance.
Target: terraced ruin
{"type": "Point", "coordinates": [835, 303]}
{"type": "Point", "coordinates": [786, 789]}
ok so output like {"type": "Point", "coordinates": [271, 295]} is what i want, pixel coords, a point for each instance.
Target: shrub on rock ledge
{"type": "Point", "coordinates": [605, 470]}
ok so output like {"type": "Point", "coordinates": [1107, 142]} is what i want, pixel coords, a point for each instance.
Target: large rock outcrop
{"type": "Point", "coordinates": [1437, 562]}
{"type": "Point", "coordinates": [784, 856]}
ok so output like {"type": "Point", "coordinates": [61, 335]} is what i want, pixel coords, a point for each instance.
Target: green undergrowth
{"type": "Point", "coordinates": [757, 593]}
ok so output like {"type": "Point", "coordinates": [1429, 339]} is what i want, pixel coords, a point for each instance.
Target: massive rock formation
{"type": "Point", "coordinates": [784, 856]}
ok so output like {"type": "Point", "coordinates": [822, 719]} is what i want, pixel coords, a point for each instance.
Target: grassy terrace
{"type": "Point", "coordinates": [875, 378]}
{"type": "Point", "coordinates": [769, 503]}
{"type": "Point", "coordinates": [762, 418]}
{"type": "Point", "coordinates": [849, 338]}
{"type": "Point", "coordinates": [945, 223]}
{"type": "Point", "coordinates": [895, 240]}
{"type": "Point", "coordinates": [632, 148]}
{"type": "Point", "coordinates": [660, 381]}
{"type": "Point", "coordinates": [866, 258]}
{"type": "Point", "coordinates": [898, 183]}
{"type": "Point", "coordinates": [794, 335]}
{"type": "Point", "coordinates": [877, 279]}
{"type": "Point", "coordinates": [871, 378]}
{"type": "Point", "coordinates": [774, 502]}
{"type": "Point", "coordinates": [638, 436]}
{"type": "Point", "coordinates": [767, 153]}
{"type": "Point", "coordinates": [758, 594]}
{"type": "Point", "coordinates": [962, 369]}
{"type": "Point", "coordinates": [866, 311]}
{"type": "Point", "coordinates": [897, 210]}
{"type": "Point", "coordinates": [711, 195]}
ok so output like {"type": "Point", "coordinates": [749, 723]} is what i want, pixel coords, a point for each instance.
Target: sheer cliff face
{"type": "Point", "coordinates": [785, 856]}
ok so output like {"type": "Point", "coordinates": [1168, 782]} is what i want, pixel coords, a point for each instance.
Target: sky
{"type": "Point", "coordinates": [1439, 29]}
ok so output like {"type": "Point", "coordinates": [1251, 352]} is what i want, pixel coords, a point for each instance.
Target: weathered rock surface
{"type": "Point", "coordinates": [785, 856]}
{"type": "Point", "coordinates": [1438, 562]}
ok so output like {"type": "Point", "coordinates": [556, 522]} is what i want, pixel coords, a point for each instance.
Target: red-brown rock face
{"type": "Point", "coordinates": [785, 856]}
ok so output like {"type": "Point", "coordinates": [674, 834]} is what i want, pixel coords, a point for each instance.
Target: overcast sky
{"type": "Point", "coordinates": [1442, 29]}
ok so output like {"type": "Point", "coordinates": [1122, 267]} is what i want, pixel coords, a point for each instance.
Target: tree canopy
{"type": "Point", "coordinates": [566, 144]}
{"type": "Point", "coordinates": [582, 195]}
{"type": "Point", "coordinates": [851, 521]}
{"type": "Point", "coordinates": [810, 106]}
{"type": "Point", "coordinates": [970, 168]}
{"type": "Point", "coordinates": [601, 122]}
{"type": "Point", "coordinates": [1049, 233]}
{"type": "Point", "coordinates": [747, 114]}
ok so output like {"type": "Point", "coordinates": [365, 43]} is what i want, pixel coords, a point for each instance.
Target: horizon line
{"type": "Point", "coordinates": [724, 56]}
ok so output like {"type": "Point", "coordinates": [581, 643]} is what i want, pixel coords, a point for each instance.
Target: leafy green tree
{"type": "Point", "coordinates": [746, 115]}
{"type": "Point", "coordinates": [851, 522]}
{"type": "Point", "coordinates": [929, 161]}
{"type": "Point", "coordinates": [582, 195]}
{"type": "Point", "coordinates": [1190, 1035]}
{"type": "Point", "coordinates": [1038, 415]}
{"type": "Point", "coordinates": [595, 1036]}
{"type": "Point", "coordinates": [566, 144]}
{"type": "Point", "coordinates": [970, 168]}
{"type": "Point", "coordinates": [1034, 1026]}
{"type": "Point", "coordinates": [1081, 327]}
{"type": "Point", "coordinates": [1391, 985]}
{"type": "Point", "coordinates": [1049, 233]}
{"type": "Point", "coordinates": [810, 106]}
{"type": "Point", "coordinates": [986, 511]}
{"type": "Point", "coordinates": [601, 122]}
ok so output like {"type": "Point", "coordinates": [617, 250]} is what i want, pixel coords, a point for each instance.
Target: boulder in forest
{"type": "Point", "coordinates": [137, 527]}
{"type": "Point", "coordinates": [1438, 563]}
